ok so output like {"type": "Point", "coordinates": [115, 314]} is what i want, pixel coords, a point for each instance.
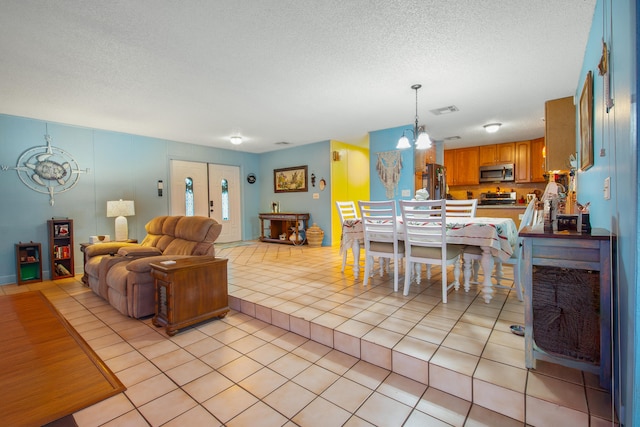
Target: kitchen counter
{"type": "Point", "coordinates": [516, 206]}
{"type": "Point", "coordinates": [502, 211]}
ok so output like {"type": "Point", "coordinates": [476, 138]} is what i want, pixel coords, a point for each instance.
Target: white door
{"type": "Point", "coordinates": [224, 201]}
{"type": "Point", "coordinates": [189, 183]}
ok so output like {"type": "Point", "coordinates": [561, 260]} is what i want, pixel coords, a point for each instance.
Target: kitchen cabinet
{"type": "Point", "coordinates": [560, 132]}
{"type": "Point", "coordinates": [523, 161]}
{"type": "Point", "coordinates": [462, 166]}
{"type": "Point", "coordinates": [496, 154]}
{"type": "Point", "coordinates": [537, 160]}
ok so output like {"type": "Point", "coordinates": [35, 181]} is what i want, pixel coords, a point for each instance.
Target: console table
{"type": "Point", "coordinates": [282, 226]}
{"type": "Point", "coordinates": [567, 279]}
{"type": "Point", "coordinates": [189, 291]}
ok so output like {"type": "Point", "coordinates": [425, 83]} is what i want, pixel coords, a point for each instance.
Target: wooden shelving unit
{"type": "Point", "coordinates": [28, 263]}
{"type": "Point", "coordinates": [61, 248]}
{"type": "Point", "coordinates": [282, 226]}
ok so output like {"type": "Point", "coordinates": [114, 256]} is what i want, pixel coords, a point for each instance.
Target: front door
{"type": "Point", "coordinates": [224, 201]}
{"type": "Point", "coordinates": [189, 188]}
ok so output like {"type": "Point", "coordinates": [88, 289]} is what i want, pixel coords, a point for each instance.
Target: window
{"type": "Point", "coordinates": [225, 199]}
{"type": "Point", "coordinates": [188, 197]}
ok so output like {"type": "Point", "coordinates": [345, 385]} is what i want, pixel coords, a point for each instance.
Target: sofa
{"type": "Point", "coordinates": [120, 272]}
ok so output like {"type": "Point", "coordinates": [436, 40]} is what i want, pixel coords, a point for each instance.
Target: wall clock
{"type": "Point", "coordinates": [251, 178]}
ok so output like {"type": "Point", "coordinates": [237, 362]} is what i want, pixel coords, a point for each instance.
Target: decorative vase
{"type": "Point", "coordinates": [315, 235]}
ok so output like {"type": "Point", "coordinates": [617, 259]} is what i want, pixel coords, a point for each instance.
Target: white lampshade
{"type": "Point", "coordinates": [121, 209]}
{"type": "Point", "coordinates": [423, 142]}
{"type": "Point", "coordinates": [403, 142]}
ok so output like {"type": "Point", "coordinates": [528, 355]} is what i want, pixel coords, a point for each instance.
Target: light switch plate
{"type": "Point", "coordinates": [316, 195]}
{"type": "Point", "coordinates": [406, 193]}
{"type": "Point", "coordinates": [607, 188]}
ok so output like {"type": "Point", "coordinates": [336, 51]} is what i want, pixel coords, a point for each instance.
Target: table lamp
{"type": "Point", "coordinates": [121, 209]}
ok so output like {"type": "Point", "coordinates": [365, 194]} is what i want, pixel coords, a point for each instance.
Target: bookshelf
{"type": "Point", "coordinates": [61, 248]}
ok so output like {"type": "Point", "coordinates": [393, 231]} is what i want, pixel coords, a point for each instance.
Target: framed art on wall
{"type": "Point", "coordinates": [288, 180]}
{"type": "Point", "coordinates": [586, 123]}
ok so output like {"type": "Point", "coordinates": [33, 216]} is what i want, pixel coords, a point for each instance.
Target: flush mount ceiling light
{"type": "Point", "coordinates": [492, 127]}
{"type": "Point", "coordinates": [236, 140]}
{"type": "Point", "coordinates": [420, 137]}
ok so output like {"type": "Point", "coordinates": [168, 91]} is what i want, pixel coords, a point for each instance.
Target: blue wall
{"type": "Point", "coordinates": [616, 132]}
{"type": "Point", "coordinates": [383, 141]}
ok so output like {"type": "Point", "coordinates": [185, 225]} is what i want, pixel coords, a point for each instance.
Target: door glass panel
{"type": "Point", "coordinates": [188, 196]}
{"type": "Point", "coordinates": [225, 199]}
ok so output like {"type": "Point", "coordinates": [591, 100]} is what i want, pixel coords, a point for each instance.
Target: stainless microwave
{"type": "Point", "coordinates": [497, 173]}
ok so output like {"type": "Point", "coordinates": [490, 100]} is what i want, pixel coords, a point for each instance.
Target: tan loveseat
{"type": "Point", "coordinates": [120, 273]}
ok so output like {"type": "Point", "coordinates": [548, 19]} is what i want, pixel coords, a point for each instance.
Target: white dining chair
{"type": "Point", "coordinates": [379, 220]}
{"type": "Point", "coordinates": [473, 254]}
{"type": "Point", "coordinates": [425, 241]}
{"type": "Point", "coordinates": [462, 208]}
{"type": "Point", "coordinates": [347, 210]}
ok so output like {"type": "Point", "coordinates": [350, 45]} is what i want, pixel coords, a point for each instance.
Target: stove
{"type": "Point", "coordinates": [508, 198]}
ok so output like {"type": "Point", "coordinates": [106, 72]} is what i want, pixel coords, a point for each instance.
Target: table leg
{"type": "Point", "coordinates": [487, 267]}
{"type": "Point", "coordinates": [355, 249]}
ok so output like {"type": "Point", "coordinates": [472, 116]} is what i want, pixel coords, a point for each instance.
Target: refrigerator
{"type": "Point", "coordinates": [434, 180]}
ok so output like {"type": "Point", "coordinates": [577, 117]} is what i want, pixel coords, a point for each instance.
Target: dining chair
{"type": "Point", "coordinates": [463, 208]}
{"type": "Point", "coordinates": [473, 254]}
{"type": "Point", "coordinates": [347, 210]}
{"type": "Point", "coordinates": [424, 224]}
{"type": "Point", "coordinates": [379, 220]}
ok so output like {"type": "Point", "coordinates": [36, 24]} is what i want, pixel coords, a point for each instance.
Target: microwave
{"type": "Point", "coordinates": [497, 173]}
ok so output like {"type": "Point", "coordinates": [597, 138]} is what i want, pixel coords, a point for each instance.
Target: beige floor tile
{"type": "Point", "coordinates": [289, 365]}
{"type": "Point", "coordinates": [483, 417]}
{"type": "Point", "coordinates": [382, 410]}
{"type": "Point", "coordinates": [420, 419]}
{"type": "Point", "coordinates": [289, 398]}
{"type": "Point", "coordinates": [173, 359]}
{"type": "Point", "coordinates": [197, 416]}
{"type": "Point", "coordinates": [247, 344]}
{"type": "Point", "coordinates": [188, 372]}
{"type": "Point", "coordinates": [138, 373]}
{"type": "Point", "coordinates": [455, 360]}
{"type": "Point", "coordinates": [321, 413]}
{"type": "Point", "coordinates": [500, 399]}
{"type": "Point", "coordinates": [315, 379]}
{"type": "Point", "coordinates": [311, 351]}
{"type": "Point", "coordinates": [207, 386]}
{"type": "Point", "coordinates": [229, 403]}
{"type": "Point", "coordinates": [560, 372]}
{"type": "Point", "coordinates": [544, 413]}
{"type": "Point", "coordinates": [124, 361]}
{"type": "Point", "coordinates": [366, 374]}
{"type": "Point", "coordinates": [220, 357]}
{"type": "Point", "coordinates": [600, 404]}
{"type": "Point", "coordinates": [402, 389]}
{"type": "Point", "coordinates": [204, 346]}
{"type": "Point", "coordinates": [502, 375]}
{"type": "Point", "coordinates": [240, 368]}
{"type": "Point", "coordinates": [444, 407]}
{"type": "Point", "coordinates": [258, 414]}
{"type": "Point", "coordinates": [262, 382]}
{"type": "Point", "coordinates": [337, 362]}
{"type": "Point", "coordinates": [104, 411]}
{"type": "Point", "coordinates": [289, 341]}
{"type": "Point", "coordinates": [465, 344]}
{"type": "Point", "coordinates": [167, 407]}
{"type": "Point", "coordinates": [130, 419]}
{"type": "Point", "coordinates": [556, 391]}
{"type": "Point", "coordinates": [149, 389]}
{"type": "Point", "coordinates": [507, 355]}
{"type": "Point", "coordinates": [347, 394]}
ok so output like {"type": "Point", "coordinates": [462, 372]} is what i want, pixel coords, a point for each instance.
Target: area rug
{"type": "Point", "coordinates": [47, 371]}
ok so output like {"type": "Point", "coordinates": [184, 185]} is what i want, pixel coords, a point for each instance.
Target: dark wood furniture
{"type": "Point", "coordinates": [61, 248]}
{"type": "Point", "coordinates": [47, 370]}
{"type": "Point", "coordinates": [28, 263]}
{"type": "Point", "coordinates": [567, 278]}
{"type": "Point", "coordinates": [189, 291]}
{"type": "Point", "coordinates": [282, 226]}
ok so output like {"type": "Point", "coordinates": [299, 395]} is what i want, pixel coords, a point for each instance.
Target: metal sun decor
{"type": "Point", "coordinates": [47, 169]}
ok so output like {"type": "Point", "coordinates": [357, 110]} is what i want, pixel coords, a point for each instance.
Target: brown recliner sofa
{"type": "Point", "coordinates": [120, 272]}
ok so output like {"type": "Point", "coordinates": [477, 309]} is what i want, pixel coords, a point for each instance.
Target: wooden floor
{"type": "Point", "coordinates": [47, 370]}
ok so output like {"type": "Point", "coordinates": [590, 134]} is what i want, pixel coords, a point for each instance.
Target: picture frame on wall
{"type": "Point", "coordinates": [289, 180]}
{"type": "Point", "coordinates": [586, 123]}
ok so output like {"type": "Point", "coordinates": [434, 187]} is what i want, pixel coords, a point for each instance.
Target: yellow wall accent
{"type": "Point", "coordinates": [349, 178]}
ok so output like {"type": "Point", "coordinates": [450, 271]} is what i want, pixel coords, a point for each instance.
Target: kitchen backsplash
{"type": "Point", "coordinates": [461, 191]}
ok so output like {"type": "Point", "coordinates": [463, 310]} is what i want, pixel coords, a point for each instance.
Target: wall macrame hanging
{"type": "Point", "coordinates": [389, 166]}
{"type": "Point", "coordinates": [47, 169]}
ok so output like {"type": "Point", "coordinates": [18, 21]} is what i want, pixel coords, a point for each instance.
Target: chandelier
{"type": "Point", "coordinates": [420, 137]}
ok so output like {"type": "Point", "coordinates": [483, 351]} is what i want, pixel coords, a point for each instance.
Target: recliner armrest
{"type": "Point", "coordinates": [106, 248]}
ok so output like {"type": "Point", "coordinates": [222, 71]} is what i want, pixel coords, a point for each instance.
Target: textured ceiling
{"type": "Point", "coordinates": [299, 71]}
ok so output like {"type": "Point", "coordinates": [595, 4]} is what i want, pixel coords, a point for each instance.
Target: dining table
{"type": "Point", "coordinates": [497, 237]}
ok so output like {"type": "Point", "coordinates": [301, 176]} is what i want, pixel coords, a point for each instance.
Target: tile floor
{"type": "Point", "coordinates": [307, 345]}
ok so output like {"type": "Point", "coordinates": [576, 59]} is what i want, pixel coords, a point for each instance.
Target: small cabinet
{"type": "Point", "coordinates": [61, 248]}
{"type": "Point", "coordinates": [462, 166]}
{"type": "Point", "coordinates": [287, 228]}
{"type": "Point", "coordinates": [560, 132]}
{"type": "Point", "coordinates": [523, 161]}
{"type": "Point", "coordinates": [28, 263]}
{"type": "Point", "coordinates": [496, 154]}
{"type": "Point", "coordinates": [537, 160]}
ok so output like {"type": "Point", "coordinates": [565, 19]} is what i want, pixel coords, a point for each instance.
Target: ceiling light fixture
{"type": "Point", "coordinates": [492, 127]}
{"type": "Point", "coordinates": [420, 137]}
{"type": "Point", "coordinates": [236, 140]}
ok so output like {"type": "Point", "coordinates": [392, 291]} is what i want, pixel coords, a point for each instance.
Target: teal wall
{"type": "Point", "coordinates": [385, 140]}
{"type": "Point", "coordinates": [616, 132]}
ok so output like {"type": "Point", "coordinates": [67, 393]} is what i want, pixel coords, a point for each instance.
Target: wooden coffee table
{"type": "Point", "coordinates": [189, 291]}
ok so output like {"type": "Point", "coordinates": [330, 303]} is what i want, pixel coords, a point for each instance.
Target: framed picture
{"type": "Point", "coordinates": [586, 123]}
{"type": "Point", "coordinates": [289, 180]}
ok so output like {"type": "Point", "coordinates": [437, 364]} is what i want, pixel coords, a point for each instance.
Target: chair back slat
{"type": "Point", "coordinates": [346, 210]}
{"type": "Point", "coordinates": [424, 223]}
{"type": "Point", "coordinates": [379, 220]}
{"type": "Point", "coordinates": [462, 208]}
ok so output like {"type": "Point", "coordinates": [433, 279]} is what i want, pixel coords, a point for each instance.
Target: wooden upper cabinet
{"type": "Point", "coordinates": [537, 160]}
{"type": "Point", "coordinates": [496, 153]}
{"type": "Point", "coordinates": [523, 162]}
{"type": "Point", "coordinates": [450, 165]}
{"type": "Point", "coordinates": [560, 132]}
{"type": "Point", "coordinates": [467, 166]}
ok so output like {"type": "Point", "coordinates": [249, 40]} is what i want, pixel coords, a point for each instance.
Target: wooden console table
{"type": "Point", "coordinates": [567, 279]}
{"type": "Point", "coordinates": [284, 224]}
{"type": "Point", "coordinates": [189, 291]}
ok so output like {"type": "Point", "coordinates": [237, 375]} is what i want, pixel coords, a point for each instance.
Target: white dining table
{"type": "Point", "coordinates": [496, 237]}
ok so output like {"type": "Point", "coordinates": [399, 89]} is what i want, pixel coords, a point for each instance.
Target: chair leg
{"type": "Point", "coordinates": [517, 280]}
{"type": "Point", "coordinates": [396, 273]}
{"type": "Point", "coordinates": [418, 272]}
{"type": "Point", "coordinates": [428, 271]}
{"type": "Point", "coordinates": [407, 276]}
{"type": "Point", "coordinates": [498, 271]}
{"type": "Point", "coordinates": [344, 259]}
{"type": "Point", "coordinates": [368, 260]}
{"type": "Point", "coordinates": [468, 262]}
{"type": "Point", "coordinates": [444, 284]}
{"type": "Point", "coordinates": [456, 274]}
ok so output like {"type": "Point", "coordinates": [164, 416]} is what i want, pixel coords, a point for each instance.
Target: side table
{"type": "Point", "coordinates": [189, 291]}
